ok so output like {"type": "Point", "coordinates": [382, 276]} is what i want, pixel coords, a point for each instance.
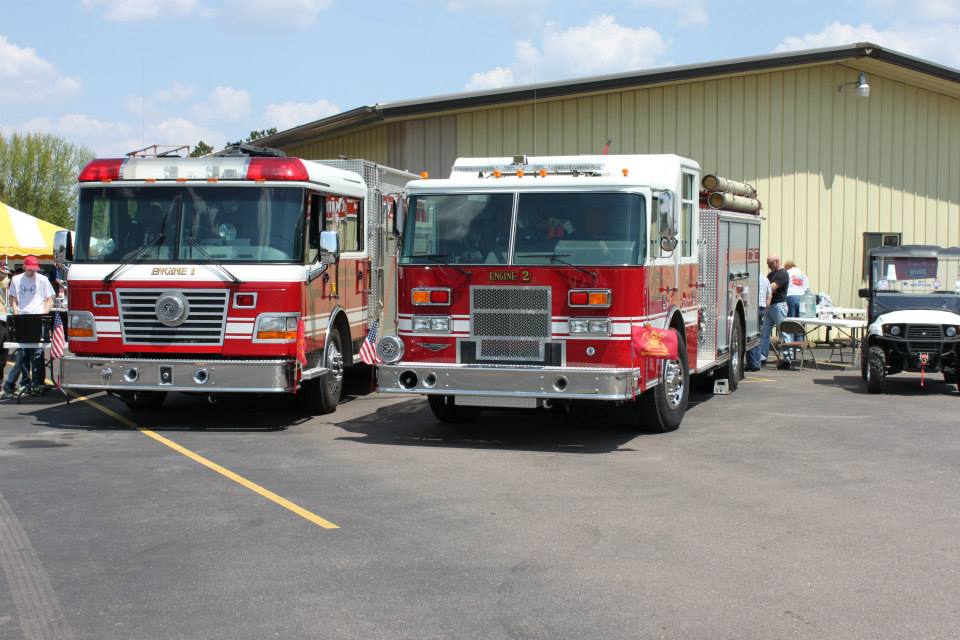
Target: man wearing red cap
{"type": "Point", "coordinates": [29, 293]}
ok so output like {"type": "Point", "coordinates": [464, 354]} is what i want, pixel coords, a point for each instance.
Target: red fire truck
{"type": "Point", "coordinates": [241, 272]}
{"type": "Point", "coordinates": [523, 282]}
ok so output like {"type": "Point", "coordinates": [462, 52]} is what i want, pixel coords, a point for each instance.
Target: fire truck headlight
{"type": "Point", "coordinates": [390, 349]}
{"type": "Point", "coordinates": [433, 324]}
{"type": "Point", "coordinates": [579, 326]}
{"type": "Point", "coordinates": [600, 327]}
{"type": "Point", "coordinates": [277, 328]}
{"type": "Point", "coordinates": [81, 326]}
{"type": "Point", "coordinates": [951, 331]}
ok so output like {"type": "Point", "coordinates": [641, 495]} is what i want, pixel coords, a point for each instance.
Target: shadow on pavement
{"type": "Point", "coordinates": [185, 412]}
{"type": "Point", "coordinates": [897, 385]}
{"type": "Point", "coordinates": [594, 428]}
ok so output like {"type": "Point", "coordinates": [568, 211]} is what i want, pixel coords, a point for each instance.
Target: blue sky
{"type": "Point", "coordinates": [118, 74]}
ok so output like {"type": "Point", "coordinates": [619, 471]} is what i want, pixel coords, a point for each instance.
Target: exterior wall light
{"type": "Point", "coordinates": [863, 87]}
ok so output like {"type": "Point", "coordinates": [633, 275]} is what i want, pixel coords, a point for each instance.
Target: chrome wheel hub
{"type": "Point", "coordinates": [673, 382]}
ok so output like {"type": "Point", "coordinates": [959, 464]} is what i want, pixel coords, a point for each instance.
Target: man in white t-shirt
{"type": "Point", "coordinates": [29, 293]}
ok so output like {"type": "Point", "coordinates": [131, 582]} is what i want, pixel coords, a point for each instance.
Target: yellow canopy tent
{"type": "Point", "coordinates": [21, 234]}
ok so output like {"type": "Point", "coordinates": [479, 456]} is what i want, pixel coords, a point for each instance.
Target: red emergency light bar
{"type": "Point", "coordinates": [257, 169]}
{"type": "Point", "coordinates": [101, 170]}
{"type": "Point", "coordinates": [277, 169]}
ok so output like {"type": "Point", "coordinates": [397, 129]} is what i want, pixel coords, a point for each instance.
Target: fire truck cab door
{"type": "Point", "coordinates": [664, 254]}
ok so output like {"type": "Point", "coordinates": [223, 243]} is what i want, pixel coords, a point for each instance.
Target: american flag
{"type": "Point", "coordinates": [57, 343]}
{"type": "Point", "coordinates": [368, 350]}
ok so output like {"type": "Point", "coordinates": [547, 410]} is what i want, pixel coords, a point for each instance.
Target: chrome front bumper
{"type": "Point", "coordinates": [474, 380]}
{"type": "Point", "coordinates": [205, 376]}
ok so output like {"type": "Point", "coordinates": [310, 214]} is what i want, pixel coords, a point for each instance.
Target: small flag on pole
{"type": "Point", "coordinates": [57, 342]}
{"type": "Point", "coordinates": [368, 350]}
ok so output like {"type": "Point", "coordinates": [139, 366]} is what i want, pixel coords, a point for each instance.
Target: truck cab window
{"type": "Point", "coordinates": [345, 216]}
{"type": "Point", "coordinates": [688, 206]}
{"type": "Point", "coordinates": [317, 213]}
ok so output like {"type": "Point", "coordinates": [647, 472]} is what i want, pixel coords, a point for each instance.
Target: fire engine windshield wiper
{"type": "Point", "coordinates": [437, 258]}
{"type": "Point", "coordinates": [136, 256]}
{"type": "Point", "coordinates": [196, 245]}
{"type": "Point", "coordinates": [558, 257]}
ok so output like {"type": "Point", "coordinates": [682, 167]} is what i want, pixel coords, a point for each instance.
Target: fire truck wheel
{"type": "Point", "coordinates": [322, 395]}
{"type": "Point", "coordinates": [445, 410]}
{"type": "Point", "coordinates": [144, 400]}
{"type": "Point", "coordinates": [876, 370]}
{"type": "Point", "coordinates": [664, 406]}
{"type": "Point", "coordinates": [734, 369]}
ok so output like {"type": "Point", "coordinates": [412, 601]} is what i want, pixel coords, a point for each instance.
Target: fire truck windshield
{"type": "Point", "coordinates": [230, 224]}
{"type": "Point", "coordinates": [575, 228]}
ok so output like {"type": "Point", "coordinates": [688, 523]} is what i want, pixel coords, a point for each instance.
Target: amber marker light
{"type": "Point", "coordinates": [543, 173]}
{"type": "Point", "coordinates": [496, 173]}
{"type": "Point", "coordinates": [79, 332]}
{"type": "Point", "coordinates": [424, 174]}
{"type": "Point", "coordinates": [421, 296]}
{"type": "Point", "coordinates": [519, 173]}
{"type": "Point", "coordinates": [599, 298]}
{"type": "Point", "coordinates": [626, 172]}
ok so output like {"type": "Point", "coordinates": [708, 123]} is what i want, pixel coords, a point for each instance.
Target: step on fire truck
{"type": "Point", "coordinates": [523, 283]}
{"type": "Point", "coordinates": [242, 272]}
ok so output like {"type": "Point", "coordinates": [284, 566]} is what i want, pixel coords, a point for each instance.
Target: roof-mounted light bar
{"type": "Point", "coordinates": [210, 169]}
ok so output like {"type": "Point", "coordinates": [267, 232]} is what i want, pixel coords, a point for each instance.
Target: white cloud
{"type": "Point", "coordinates": [600, 46]}
{"type": "Point", "coordinates": [133, 10]}
{"type": "Point", "coordinates": [26, 77]}
{"type": "Point", "coordinates": [116, 138]}
{"type": "Point", "coordinates": [273, 14]}
{"type": "Point", "coordinates": [286, 115]}
{"type": "Point", "coordinates": [688, 12]}
{"type": "Point", "coordinates": [154, 105]}
{"type": "Point", "coordinates": [933, 10]}
{"type": "Point", "coordinates": [933, 41]}
{"type": "Point", "coordinates": [224, 104]}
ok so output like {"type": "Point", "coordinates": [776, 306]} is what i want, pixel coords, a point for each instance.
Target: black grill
{"type": "Point", "coordinates": [924, 332]}
{"type": "Point", "coordinates": [204, 324]}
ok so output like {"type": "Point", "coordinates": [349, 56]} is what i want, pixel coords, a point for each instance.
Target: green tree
{"type": "Point", "coordinates": [38, 175]}
{"type": "Point", "coordinates": [260, 133]}
{"type": "Point", "coordinates": [201, 149]}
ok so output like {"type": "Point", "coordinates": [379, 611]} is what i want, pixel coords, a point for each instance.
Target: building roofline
{"type": "Point", "coordinates": [362, 116]}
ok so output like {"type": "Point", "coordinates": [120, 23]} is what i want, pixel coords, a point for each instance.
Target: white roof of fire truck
{"type": "Point", "coordinates": [229, 170]}
{"type": "Point", "coordinates": [660, 171]}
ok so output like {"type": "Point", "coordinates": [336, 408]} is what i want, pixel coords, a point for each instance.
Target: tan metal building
{"type": "Point", "coordinates": [830, 165]}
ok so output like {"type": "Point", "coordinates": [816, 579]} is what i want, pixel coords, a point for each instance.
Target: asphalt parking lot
{"type": "Point", "coordinates": [799, 507]}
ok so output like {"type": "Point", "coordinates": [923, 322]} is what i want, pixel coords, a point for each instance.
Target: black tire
{"type": "Point", "coordinates": [445, 410]}
{"type": "Point", "coordinates": [876, 370]}
{"type": "Point", "coordinates": [663, 407]}
{"type": "Point", "coordinates": [733, 372]}
{"type": "Point", "coordinates": [322, 395]}
{"type": "Point", "coordinates": [143, 400]}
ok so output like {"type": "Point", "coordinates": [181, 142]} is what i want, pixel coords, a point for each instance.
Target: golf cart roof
{"type": "Point", "coordinates": [915, 251]}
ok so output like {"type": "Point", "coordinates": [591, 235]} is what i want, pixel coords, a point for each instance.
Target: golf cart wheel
{"type": "Point", "coordinates": [446, 410]}
{"type": "Point", "coordinates": [876, 370]}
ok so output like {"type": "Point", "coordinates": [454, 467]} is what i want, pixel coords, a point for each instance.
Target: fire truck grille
{"type": "Point", "coordinates": [203, 325]}
{"type": "Point", "coordinates": [921, 332]}
{"type": "Point", "coordinates": [510, 323]}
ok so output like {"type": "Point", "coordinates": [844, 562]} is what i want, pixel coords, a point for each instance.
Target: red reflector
{"type": "Point", "coordinates": [244, 300]}
{"type": "Point", "coordinates": [441, 296]}
{"type": "Point", "coordinates": [103, 299]}
{"type": "Point", "coordinates": [276, 169]}
{"type": "Point", "coordinates": [100, 170]}
{"type": "Point", "coordinates": [578, 297]}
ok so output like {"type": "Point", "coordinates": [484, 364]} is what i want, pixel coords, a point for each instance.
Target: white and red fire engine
{"type": "Point", "coordinates": [242, 272]}
{"type": "Point", "coordinates": [528, 282]}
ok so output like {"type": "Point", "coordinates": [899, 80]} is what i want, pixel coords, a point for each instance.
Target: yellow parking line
{"type": "Point", "coordinates": [213, 466]}
{"type": "Point", "coordinates": [754, 379]}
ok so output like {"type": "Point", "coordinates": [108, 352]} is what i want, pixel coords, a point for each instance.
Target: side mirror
{"type": "Point", "coordinates": [667, 221]}
{"type": "Point", "coordinates": [864, 292]}
{"type": "Point", "coordinates": [63, 247]}
{"type": "Point", "coordinates": [329, 247]}
{"type": "Point", "coordinates": [399, 214]}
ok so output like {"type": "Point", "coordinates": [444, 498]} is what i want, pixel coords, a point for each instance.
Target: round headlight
{"type": "Point", "coordinates": [895, 330]}
{"type": "Point", "coordinates": [390, 349]}
{"type": "Point", "coordinates": [951, 332]}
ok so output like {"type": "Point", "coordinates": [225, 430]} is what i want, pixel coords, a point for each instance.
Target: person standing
{"type": "Point", "coordinates": [799, 285]}
{"type": "Point", "coordinates": [4, 284]}
{"type": "Point", "coordinates": [754, 361]}
{"type": "Point", "coordinates": [29, 293]}
{"type": "Point", "coordinates": [776, 307]}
